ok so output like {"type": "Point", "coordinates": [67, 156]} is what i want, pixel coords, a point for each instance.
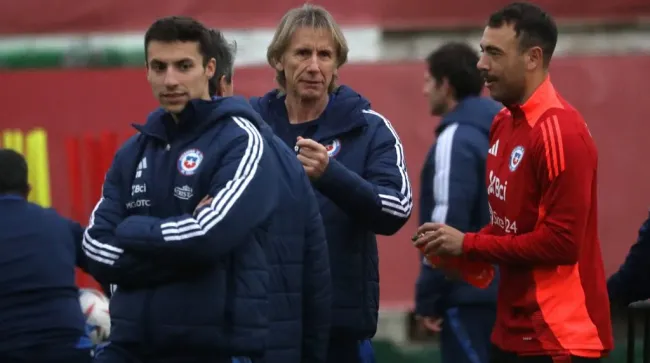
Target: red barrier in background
{"type": "Point", "coordinates": [108, 144]}
{"type": "Point", "coordinates": [88, 157]}
{"type": "Point", "coordinates": [78, 16]}
{"type": "Point", "coordinates": [611, 92]}
{"type": "Point", "coordinates": [75, 182]}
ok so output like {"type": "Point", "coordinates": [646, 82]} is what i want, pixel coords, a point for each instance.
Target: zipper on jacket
{"type": "Point", "coordinates": [167, 168]}
{"type": "Point", "coordinates": [147, 318]}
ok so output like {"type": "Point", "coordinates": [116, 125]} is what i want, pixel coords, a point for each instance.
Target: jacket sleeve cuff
{"type": "Point", "coordinates": [332, 175]}
{"type": "Point", "coordinates": [469, 244]}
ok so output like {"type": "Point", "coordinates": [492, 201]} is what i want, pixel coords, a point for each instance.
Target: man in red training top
{"type": "Point", "coordinates": [541, 177]}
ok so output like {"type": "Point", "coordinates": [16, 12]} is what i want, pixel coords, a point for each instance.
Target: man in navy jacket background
{"type": "Point", "coordinates": [41, 319]}
{"type": "Point", "coordinates": [453, 192]}
{"type": "Point", "coordinates": [630, 282]}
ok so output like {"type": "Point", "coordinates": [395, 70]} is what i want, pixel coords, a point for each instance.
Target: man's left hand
{"type": "Point", "coordinates": [205, 201]}
{"type": "Point", "coordinates": [313, 157]}
{"type": "Point", "coordinates": [440, 239]}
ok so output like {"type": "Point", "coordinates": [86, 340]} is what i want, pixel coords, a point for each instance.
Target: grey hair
{"type": "Point", "coordinates": [311, 16]}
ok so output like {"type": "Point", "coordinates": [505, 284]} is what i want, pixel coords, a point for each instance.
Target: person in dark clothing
{"type": "Point", "coordinates": [40, 316]}
{"type": "Point", "coordinates": [543, 233]}
{"type": "Point", "coordinates": [185, 215]}
{"type": "Point", "coordinates": [221, 84]}
{"type": "Point", "coordinates": [300, 290]}
{"type": "Point", "coordinates": [629, 283]}
{"type": "Point", "coordinates": [355, 161]}
{"type": "Point", "coordinates": [453, 191]}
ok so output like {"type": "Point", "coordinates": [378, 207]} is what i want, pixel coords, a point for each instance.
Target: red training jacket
{"type": "Point", "coordinates": [541, 173]}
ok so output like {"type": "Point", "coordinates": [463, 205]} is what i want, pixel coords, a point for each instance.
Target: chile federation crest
{"type": "Point", "coordinates": [515, 157]}
{"type": "Point", "coordinates": [189, 161]}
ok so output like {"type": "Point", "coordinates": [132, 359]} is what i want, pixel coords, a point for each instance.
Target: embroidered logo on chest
{"type": "Point", "coordinates": [185, 192]}
{"type": "Point", "coordinates": [333, 148]}
{"type": "Point", "coordinates": [515, 157]}
{"type": "Point", "coordinates": [189, 161]}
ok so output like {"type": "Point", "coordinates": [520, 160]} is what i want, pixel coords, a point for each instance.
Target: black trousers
{"type": "Point", "coordinates": [342, 350]}
{"type": "Point", "coordinates": [499, 356]}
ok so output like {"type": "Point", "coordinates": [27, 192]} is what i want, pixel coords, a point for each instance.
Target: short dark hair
{"type": "Point", "coordinates": [13, 178]}
{"type": "Point", "coordinates": [179, 29]}
{"type": "Point", "coordinates": [224, 54]}
{"type": "Point", "coordinates": [533, 26]}
{"type": "Point", "coordinates": [456, 62]}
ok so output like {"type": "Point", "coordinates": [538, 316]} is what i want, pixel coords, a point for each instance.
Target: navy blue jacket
{"type": "Point", "coordinates": [300, 291]}
{"type": "Point", "coordinates": [39, 301]}
{"type": "Point", "coordinates": [364, 191]}
{"type": "Point", "coordinates": [189, 282]}
{"type": "Point", "coordinates": [630, 282]}
{"type": "Point", "coordinates": [453, 192]}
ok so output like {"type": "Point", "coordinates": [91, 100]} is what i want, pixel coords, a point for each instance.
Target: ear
{"type": "Point", "coordinates": [279, 66]}
{"type": "Point", "coordinates": [211, 68]}
{"type": "Point", "coordinates": [535, 58]}
{"type": "Point", "coordinates": [225, 89]}
{"type": "Point", "coordinates": [444, 82]}
{"type": "Point", "coordinates": [446, 87]}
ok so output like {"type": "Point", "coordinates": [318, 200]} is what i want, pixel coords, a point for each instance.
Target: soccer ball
{"type": "Point", "coordinates": [94, 305]}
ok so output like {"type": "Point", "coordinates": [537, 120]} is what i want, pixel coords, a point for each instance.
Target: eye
{"type": "Point", "coordinates": [158, 67]}
{"type": "Point", "coordinates": [304, 52]}
{"type": "Point", "coordinates": [185, 66]}
{"type": "Point", "coordinates": [325, 54]}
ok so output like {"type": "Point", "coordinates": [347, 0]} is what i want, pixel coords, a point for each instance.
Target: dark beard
{"type": "Point", "coordinates": [439, 109]}
{"type": "Point", "coordinates": [513, 98]}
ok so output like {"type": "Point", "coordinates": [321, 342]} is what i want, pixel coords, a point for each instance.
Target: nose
{"type": "Point", "coordinates": [313, 63]}
{"type": "Point", "coordinates": [482, 64]}
{"type": "Point", "coordinates": [171, 78]}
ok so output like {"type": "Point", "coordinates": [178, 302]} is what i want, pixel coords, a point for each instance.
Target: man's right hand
{"type": "Point", "coordinates": [431, 323]}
